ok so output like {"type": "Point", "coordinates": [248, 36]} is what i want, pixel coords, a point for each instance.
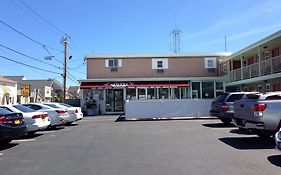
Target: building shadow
{"type": "Point", "coordinates": [7, 146]}
{"type": "Point", "coordinates": [249, 143]}
{"type": "Point", "coordinates": [218, 125]}
{"type": "Point", "coordinates": [275, 160]}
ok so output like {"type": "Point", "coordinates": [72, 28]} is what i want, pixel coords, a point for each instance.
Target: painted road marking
{"type": "Point", "coordinates": [23, 140]}
{"type": "Point", "coordinates": [44, 132]}
{"type": "Point", "coordinates": [1, 154]}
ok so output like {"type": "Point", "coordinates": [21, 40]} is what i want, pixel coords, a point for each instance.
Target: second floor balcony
{"type": "Point", "coordinates": [265, 67]}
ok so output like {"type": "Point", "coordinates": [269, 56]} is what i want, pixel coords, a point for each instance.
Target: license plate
{"type": "Point", "coordinates": [17, 122]}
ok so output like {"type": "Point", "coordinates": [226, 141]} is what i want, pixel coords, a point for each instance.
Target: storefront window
{"type": "Point", "coordinates": [141, 93]}
{"type": "Point", "coordinates": [163, 93]}
{"type": "Point", "coordinates": [98, 94]}
{"type": "Point", "coordinates": [219, 85]}
{"type": "Point", "coordinates": [208, 89]}
{"type": "Point", "coordinates": [151, 93]}
{"type": "Point", "coordinates": [131, 94]}
{"type": "Point", "coordinates": [196, 90]}
{"type": "Point", "coordinates": [184, 93]}
{"type": "Point", "coordinates": [175, 93]}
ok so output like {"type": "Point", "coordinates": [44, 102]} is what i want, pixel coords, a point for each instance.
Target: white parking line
{"type": "Point", "coordinates": [44, 132]}
{"type": "Point", "coordinates": [23, 140]}
{"type": "Point", "coordinates": [1, 154]}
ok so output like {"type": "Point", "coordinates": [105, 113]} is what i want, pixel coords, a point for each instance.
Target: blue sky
{"type": "Point", "coordinates": [127, 27]}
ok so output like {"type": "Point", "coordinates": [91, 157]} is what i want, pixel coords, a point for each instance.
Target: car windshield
{"type": "Point", "coordinates": [51, 105]}
{"type": "Point", "coordinates": [23, 108]}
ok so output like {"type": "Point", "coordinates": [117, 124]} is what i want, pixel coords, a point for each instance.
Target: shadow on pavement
{"type": "Point", "coordinates": [7, 146]}
{"type": "Point", "coordinates": [55, 128]}
{"type": "Point", "coordinates": [275, 160]}
{"type": "Point", "coordinates": [241, 131]}
{"type": "Point", "coordinates": [218, 125]}
{"type": "Point", "coordinates": [248, 143]}
{"type": "Point", "coordinates": [29, 136]}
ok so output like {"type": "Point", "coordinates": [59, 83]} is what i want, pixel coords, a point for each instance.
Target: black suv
{"type": "Point", "coordinates": [222, 105]}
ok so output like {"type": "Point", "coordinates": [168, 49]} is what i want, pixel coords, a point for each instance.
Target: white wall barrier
{"type": "Point", "coordinates": [167, 108]}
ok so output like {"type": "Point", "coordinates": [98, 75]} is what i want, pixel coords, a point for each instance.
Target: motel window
{"type": "Point", "coordinates": [98, 94]}
{"type": "Point", "coordinates": [184, 92]}
{"type": "Point", "coordinates": [159, 64]}
{"type": "Point", "coordinates": [113, 63]}
{"type": "Point", "coordinates": [175, 93]}
{"type": "Point", "coordinates": [267, 88]}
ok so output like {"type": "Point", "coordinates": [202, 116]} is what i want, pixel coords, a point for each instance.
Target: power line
{"type": "Point", "coordinates": [35, 41]}
{"type": "Point", "coordinates": [43, 19]}
{"type": "Point", "coordinates": [28, 56]}
{"type": "Point", "coordinates": [29, 65]}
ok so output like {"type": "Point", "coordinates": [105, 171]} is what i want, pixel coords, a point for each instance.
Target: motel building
{"type": "Point", "coordinates": [256, 67]}
{"type": "Point", "coordinates": [114, 79]}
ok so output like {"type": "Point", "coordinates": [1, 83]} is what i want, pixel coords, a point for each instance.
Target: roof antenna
{"type": "Point", "coordinates": [175, 37]}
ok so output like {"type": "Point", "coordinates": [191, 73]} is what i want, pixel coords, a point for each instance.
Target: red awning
{"type": "Point", "coordinates": [133, 84]}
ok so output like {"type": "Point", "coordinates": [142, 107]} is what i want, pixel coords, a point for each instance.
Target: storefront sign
{"type": "Point", "coordinates": [119, 85]}
{"type": "Point", "coordinates": [25, 90]}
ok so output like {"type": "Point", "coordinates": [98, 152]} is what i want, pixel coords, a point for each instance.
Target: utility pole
{"type": "Point", "coordinates": [64, 41]}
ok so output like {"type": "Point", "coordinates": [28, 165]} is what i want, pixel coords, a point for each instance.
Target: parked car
{"type": "Point", "coordinates": [11, 126]}
{"type": "Point", "coordinates": [57, 116]}
{"type": "Point", "coordinates": [222, 105]}
{"type": "Point", "coordinates": [259, 112]}
{"type": "Point", "coordinates": [78, 110]}
{"type": "Point", "coordinates": [34, 120]}
{"type": "Point", "coordinates": [278, 139]}
{"type": "Point", "coordinates": [69, 111]}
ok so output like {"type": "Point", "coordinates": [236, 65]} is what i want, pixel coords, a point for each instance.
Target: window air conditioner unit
{"type": "Point", "coordinates": [114, 69]}
{"type": "Point", "coordinates": [160, 70]}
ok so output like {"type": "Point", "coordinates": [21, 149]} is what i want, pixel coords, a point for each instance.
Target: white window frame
{"type": "Point", "coordinates": [213, 60]}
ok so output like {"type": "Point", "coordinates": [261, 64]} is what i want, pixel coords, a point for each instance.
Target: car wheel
{"type": "Point", "coordinates": [226, 121]}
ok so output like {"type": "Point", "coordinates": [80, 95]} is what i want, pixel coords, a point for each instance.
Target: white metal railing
{"type": "Point", "coordinates": [265, 67]}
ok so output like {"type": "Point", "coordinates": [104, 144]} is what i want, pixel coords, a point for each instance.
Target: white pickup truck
{"type": "Point", "coordinates": [259, 112]}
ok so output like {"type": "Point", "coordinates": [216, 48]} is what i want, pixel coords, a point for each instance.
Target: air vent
{"type": "Point", "coordinates": [114, 69]}
{"type": "Point", "coordinates": [160, 70]}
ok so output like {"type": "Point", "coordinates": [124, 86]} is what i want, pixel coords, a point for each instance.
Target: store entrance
{"type": "Point", "coordinates": [114, 100]}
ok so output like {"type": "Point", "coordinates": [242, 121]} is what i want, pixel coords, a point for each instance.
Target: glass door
{"type": "Point", "coordinates": [114, 100]}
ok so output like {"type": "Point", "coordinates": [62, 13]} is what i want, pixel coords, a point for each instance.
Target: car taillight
{"type": "Point", "coordinates": [223, 107]}
{"type": "Point", "coordinates": [60, 111]}
{"type": "Point", "coordinates": [40, 116]}
{"type": "Point", "coordinates": [3, 119]}
{"type": "Point", "coordinates": [76, 110]}
{"type": "Point", "coordinates": [259, 107]}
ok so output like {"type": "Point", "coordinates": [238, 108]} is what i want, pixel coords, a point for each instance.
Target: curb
{"type": "Point", "coordinates": [124, 119]}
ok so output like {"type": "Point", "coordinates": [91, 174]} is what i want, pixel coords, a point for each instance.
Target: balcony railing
{"type": "Point", "coordinates": [265, 67]}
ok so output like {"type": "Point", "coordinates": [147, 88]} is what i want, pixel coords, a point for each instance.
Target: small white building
{"type": "Point", "coordinates": [8, 91]}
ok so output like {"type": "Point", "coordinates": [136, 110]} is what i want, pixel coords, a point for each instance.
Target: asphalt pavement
{"type": "Point", "coordinates": [101, 146]}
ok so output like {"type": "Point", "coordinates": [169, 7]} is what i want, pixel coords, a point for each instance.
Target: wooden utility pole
{"type": "Point", "coordinates": [65, 43]}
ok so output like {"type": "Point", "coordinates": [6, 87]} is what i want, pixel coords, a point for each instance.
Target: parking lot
{"type": "Point", "coordinates": [99, 145]}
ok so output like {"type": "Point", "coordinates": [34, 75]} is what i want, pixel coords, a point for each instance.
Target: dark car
{"type": "Point", "coordinates": [11, 125]}
{"type": "Point", "coordinates": [222, 105]}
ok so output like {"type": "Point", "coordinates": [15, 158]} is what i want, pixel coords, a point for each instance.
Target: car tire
{"type": "Point", "coordinates": [226, 121]}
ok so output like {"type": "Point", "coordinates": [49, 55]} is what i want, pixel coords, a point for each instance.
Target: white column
{"type": "Point", "coordinates": [201, 90]}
